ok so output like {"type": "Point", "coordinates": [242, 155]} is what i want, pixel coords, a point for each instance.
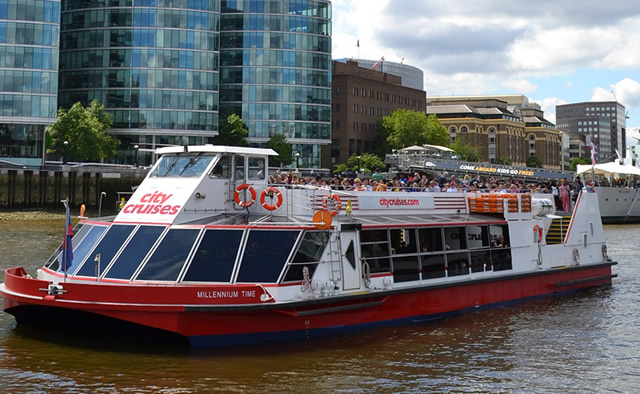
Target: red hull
{"type": "Point", "coordinates": [175, 308]}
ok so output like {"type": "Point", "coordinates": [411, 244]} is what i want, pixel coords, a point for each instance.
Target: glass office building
{"type": "Point", "coordinates": [276, 71]}
{"type": "Point", "coordinates": [152, 63]}
{"type": "Point", "coordinates": [29, 42]}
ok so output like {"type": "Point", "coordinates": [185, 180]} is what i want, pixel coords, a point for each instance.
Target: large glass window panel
{"type": "Point", "coordinates": [406, 268]}
{"type": "Point", "coordinates": [455, 238]}
{"type": "Point", "coordinates": [215, 257]}
{"type": "Point", "coordinates": [79, 232]}
{"type": "Point", "coordinates": [167, 260]}
{"type": "Point", "coordinates": [135, 251]}
{"type": "Point", "coordinates": [478, 237]}
{"type": "Point", "coordinates": [107, 248]}
{"type": "Point", "coordinates": [265, 254]}
{"type": "Point", "coordinates": [457, 264]}
{"type": "Point", "coordinates": [86, 245]}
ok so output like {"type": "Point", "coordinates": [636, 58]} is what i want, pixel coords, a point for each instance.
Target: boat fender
{"type": "Point", "coordinates": [334, 206]}
{"type": "Point", "coordinates": [236, 195]}
{"type": "Point", "coordinates": [271, 191]}
{"type": "Point", "coordinates": [538, 229]}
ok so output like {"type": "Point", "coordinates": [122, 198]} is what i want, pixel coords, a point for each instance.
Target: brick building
{"type": "Point", "coordinates": [361, 97]}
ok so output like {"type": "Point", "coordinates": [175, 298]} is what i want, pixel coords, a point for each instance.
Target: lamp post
{"type": "Point", "coordinates": [298, 159]}
{"type": "Point", "coordinates": [64, 155]}
{"type": "Point", "coordinates": [136, 147]}
{"type": "Point", "coordinates": [358, 171]}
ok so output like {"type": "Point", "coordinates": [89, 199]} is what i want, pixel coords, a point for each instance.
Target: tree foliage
{"type": "Point", "coordinates": [466, 151]}
{"type": "Point", "coordinates": [84, 129]}
{"type": "Point", "coordinates": [436, 132]}
{"type": "Point", "coordinates": [278, 142]}
{"type": "Point", "coordinates": [533, 161]}
{"type": "Point", "coordinates": [367, 163]}
{"type": "Point", "coordinates": [504, 160]}
{"type": "Point", "coordinates": [406, 128]}
{"type": "Point", "coordinates": [233, 132]}
{"type": "Point", "coordinates": [578, 160]}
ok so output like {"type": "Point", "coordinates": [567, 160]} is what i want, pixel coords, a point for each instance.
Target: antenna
{"type": "Point", "coordinates": [614, 96]}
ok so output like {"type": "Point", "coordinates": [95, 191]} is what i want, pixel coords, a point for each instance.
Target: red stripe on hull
{"type": "Point", "coordinates": [218, 319]}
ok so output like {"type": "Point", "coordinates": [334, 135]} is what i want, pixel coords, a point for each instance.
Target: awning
{"type": "Point", "coordinates": [608, 169]}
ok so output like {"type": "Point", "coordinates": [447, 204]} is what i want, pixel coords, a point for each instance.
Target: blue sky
{"type": "Point", "coordinates": [554, 52]}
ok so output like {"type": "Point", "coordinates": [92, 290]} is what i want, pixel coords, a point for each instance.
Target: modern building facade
{"type": "Point", "coordinates": [276, 71]}
{"type": "Point", "coordinates": [606, 121]}
{"type": "Point", "coordinates": [152, 63]}
{"type": "Point", "coordinates": [361, 98]}
{"type": "Point", "coordinates": [500, 132]}
{"type": "Point", "coordinates": [29, 50]}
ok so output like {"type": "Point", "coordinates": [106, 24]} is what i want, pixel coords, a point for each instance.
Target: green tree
{"type": "Point", "coordinates": [533, 161]}
{"type": "Point", "coordinates": [340, 168]}
{"type": "Point", "coordinates": [466, 151]}
{"type": "Point", "coordinates": [368, 162]}
{"type": "Point", "coordinates": [278, 142]}
{"type": "Point", "coordinates": [436, 132]}
{"type": "Point", "coordinates": [381, 145]}
{"type": "Point", "coordinates": [504, 160]}
{"type": "Point", "coordinates": [578, 160]}
{"type": "Point", "coordinates": [405, 128]}
{"type": "Point", "coordinates": [233, 132]}
{"type": "Point", "coordinates": [84, 130]}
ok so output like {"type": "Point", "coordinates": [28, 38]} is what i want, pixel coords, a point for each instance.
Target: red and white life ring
{"type": "Point", "coordinates": [334, 206]}
{"type": "Point", "coordinates": [236, 195]}
{"type": "Point", "coordinates": [271, 191]}
{"type": "Point", "coordinates": [538, 229]}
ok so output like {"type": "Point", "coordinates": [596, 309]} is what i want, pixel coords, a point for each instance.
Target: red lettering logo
{"type": "Point", "coordinates": [153, 204]}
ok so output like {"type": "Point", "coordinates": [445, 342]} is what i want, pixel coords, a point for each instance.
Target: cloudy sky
{"type": "Point", "coordinates": [554, 52]}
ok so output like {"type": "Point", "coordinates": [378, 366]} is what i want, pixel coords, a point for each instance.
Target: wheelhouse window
{"type": "Point", "coordinates": [257, 168]}
{"type": "Point", "coordinates": [221, 168]}
{"type": "Point", "coordinates": [265, 255]}
{"type": "Point", "coordinates": [215, 257]}
{"type": "Point", "coordinates": [167, 260]}
{"type": "Point", "coordinates": [239, 166]}
{"type": "Point", "coordinates": [109, 245]}
{"type": "Point", "coordinates": [308, 255]}
{"type": "Point", "coordinates": [182, 165]}
{"type": "Point", "coordinates": [126, 264]}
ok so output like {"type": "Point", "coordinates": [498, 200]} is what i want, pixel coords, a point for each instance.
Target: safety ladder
{"type": "Point", "coordinates": [335, 256]}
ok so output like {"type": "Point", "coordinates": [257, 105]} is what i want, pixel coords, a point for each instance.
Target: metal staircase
{"type": "Point", "coordinates": [558, 230]}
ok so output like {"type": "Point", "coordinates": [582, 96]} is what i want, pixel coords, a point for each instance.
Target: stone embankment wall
{"type": "Point", "coordinates": [23, 189]}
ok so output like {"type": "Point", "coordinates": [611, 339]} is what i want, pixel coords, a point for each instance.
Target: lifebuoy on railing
{"type": "Point", "coordinates": [538, 229]}
{"type": "Point", "coordinates": [242, 203]}
{"type": "Point", "coordinates": [271, 191]}
{"type": "Point", "coordinates": [332, 204]}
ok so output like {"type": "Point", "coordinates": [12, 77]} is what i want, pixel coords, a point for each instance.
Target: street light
{"type": "Point", "coordinates": [358, 171]}
{"type": "Point", "coordinates": [136, 148]}
{"type": "Point", "coordinates": [298, 159]}
{"type": "Point", "coordinates": [64, 155]}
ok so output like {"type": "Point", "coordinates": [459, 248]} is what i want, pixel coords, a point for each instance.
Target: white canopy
{"type": "Point", "coordinates": [608, 169]}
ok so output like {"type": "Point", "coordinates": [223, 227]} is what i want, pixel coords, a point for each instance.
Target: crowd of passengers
{"type": "Point", "coordinates": [563, 191]}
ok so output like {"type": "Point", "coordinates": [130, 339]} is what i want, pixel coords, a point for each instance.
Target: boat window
{"type": "Point", "coordinates": [308, 255]}
{"type": "Point", "coordinates": [351, 255]}
{"type": "Point", "coordinates": [480, 261]}
{"type": "Point", "coordinates": [454, 238]}
{"type": "Point", "coordinates": [239, 167]}
{"type": "Point", "coordinates": [457, 264]}
{"type": "Point", "coordinates": [167, 260]}
{"type": "Point", "coordinates": [79, 232]}
{"type": "Point", "coordinates": [406, 268]}
{"type": "Point", "coordinates": [134, 252]}
{"type": "Point", "coordinates": [86, 245]}
{"type": "Point", "coordinates": [221, 169]}
{"type": "Point", "coordinates": [183, 165]}
{"type": "Point", "coordinates": [375, 250]}
{"type": "Point", "coordinates": [256, 168]}
{"type": "Point", "coordinates": [501, 255]}
{"type": "Point", "coordinates": [215, 257]}
{"type": "Point", "coordinates": [433, 266]}
{"type": "Point", "coordinates": [109, 245]}
{"type": "Point", "coordinates": [404, 241]}
{"type": "Point", "coordinates": [431, 239]}
{"type": "Point", "coordinates": [478, 237]}
{"type": "Point", "coordinates": [265, 254]}
{"type": "Point", "coordinates": [496, 231]}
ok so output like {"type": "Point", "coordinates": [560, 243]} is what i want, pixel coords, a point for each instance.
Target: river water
{"type": "Point", "coordinates": [584, 342]}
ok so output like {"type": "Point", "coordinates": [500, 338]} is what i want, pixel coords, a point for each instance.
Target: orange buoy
{"type": "Point", "coordinates": [322, 219]}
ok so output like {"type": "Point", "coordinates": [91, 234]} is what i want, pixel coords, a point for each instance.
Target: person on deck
{"type": "Point", "coordinates": [564, 195]}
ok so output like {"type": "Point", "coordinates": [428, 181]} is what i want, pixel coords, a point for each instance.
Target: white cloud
{"type": "Point", "coordinates": [520, 85]}
{"type": "Point", "coordinates": [548, 105]}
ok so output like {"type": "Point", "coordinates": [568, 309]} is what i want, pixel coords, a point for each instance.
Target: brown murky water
{"type": "Point", "coordinates": [586, 342]}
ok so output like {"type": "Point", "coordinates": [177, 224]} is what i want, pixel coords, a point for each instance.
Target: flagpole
{"type": "Point", "coordinates": [66, 237]}
{"type": "Point", "coordinates": [593, 159]}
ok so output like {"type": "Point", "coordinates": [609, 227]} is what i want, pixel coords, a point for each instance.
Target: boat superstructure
{"type": "Point", "coordinates": [206, 248]}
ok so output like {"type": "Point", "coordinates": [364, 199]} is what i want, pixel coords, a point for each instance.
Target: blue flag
{"type": "Point", "coordinates": [67, 249]}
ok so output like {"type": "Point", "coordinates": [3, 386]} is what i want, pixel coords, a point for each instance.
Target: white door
{"type": "Point", "coordinates": [351, 266]}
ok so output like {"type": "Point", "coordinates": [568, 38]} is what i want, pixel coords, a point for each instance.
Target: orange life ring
{"type": "Point", "coordinates": [538, 229]}
{"type": "Point", "coordinates": [236, 195]}
{"type": "Point", "coordinates": [271, 191]}
{"type": "Point", "coordinates": [322, 220]}
{"type": "Point", "coordinates": [335, 204]}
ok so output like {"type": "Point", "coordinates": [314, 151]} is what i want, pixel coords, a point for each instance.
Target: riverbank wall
{"type": "Point", "coordinates": [28, 189]}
